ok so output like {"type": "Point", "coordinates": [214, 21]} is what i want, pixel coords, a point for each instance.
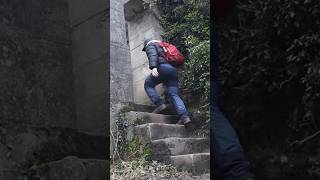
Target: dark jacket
{"type": "Point", "coordinates": [155, 54]}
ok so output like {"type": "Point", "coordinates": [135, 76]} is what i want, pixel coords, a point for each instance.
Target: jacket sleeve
{"type": "Point", "coordinates": [152, 54]}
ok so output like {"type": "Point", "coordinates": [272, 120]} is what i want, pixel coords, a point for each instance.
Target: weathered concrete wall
{"type": "Point", "coordinates": [120, 66]}
{"type": "Point", "coordinates": [126, 82]}
{"type": "Point", "coordinates": [142, 24]}
{"type": "Point", "coordinates": [90, 55]}
{"type": "Point", "coordinates": [37, 96]}
{"type": "Point", "coordinates": [36, 76]}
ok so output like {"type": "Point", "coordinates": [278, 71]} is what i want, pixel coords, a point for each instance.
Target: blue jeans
{"type": "Point", "coordinates": [228, 154]}
{"type": "Point", "coordinates": [168, 75]}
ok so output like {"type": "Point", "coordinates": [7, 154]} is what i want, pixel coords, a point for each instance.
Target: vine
{"type": "Point", "coordinates": [127, 148]}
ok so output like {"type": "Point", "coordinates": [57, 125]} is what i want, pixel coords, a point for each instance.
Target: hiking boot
{"type": "Point", "coordinates": [160, 108]}
{"type": "Point", "coordinates": [184, 121]}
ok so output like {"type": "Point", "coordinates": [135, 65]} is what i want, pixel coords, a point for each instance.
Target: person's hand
{"type": "Point", "coordinates": [154, 72]}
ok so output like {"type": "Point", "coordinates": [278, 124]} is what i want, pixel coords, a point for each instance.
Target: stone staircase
{"type": "Point", "coordinates": [170, 143]}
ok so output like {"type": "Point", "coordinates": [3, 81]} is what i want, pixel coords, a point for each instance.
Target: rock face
{"type": "Point", "coordinates": [170, 143]}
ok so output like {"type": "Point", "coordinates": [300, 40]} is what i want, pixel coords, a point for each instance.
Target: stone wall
{"type": "Point", "coordinates": [142, 23]}
{"type": "Point", "coordinates": [36, 77]}
{"type": "Point", "coordinates": [130, 23]}
{"type": "Point", "coordinates": [120, 65]}
{"type": "Point", "coordinates": [53, 86]}
{"type": "Point", "coordinates": [90, 54]}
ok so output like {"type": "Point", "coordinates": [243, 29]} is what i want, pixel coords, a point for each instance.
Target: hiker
{"type": "Point", "coordinates": [228, 153]}
{"type": "Point", "coordinates": [163, 72]}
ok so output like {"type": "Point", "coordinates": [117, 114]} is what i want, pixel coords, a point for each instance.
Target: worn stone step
{"type": "Point", "coordinates": [153, 131]}
{"type": "Point", "coordinates": [172, 146]}
{"type": "Point", "coordinates": [202, 177]}
{"type": "Point", "coordinates": [138, 118]}
{"type": "Point", "coordinates": [146, 108]}
{"type": "Point", "coordinates": [196, 163]}
{"type": "Point", "coordinates": [70, 168]}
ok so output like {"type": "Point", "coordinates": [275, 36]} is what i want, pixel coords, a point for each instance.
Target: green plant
{"type": "Point", "coordinates": [273, 49]}
{"type": "Point", "coordinates": [119, 132]}
{"type": "Point", "coordinates": [270, 72]}
{"type": "Point", "coordinates": [137, 149]}
{"type": "Point", "coordinates": [128, 149]}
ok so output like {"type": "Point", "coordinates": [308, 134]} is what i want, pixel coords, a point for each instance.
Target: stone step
{"type": "Point", "coordinates": [172, 146]}
{"type": "Point", "coordinates": [153, 131]}
{"type": "Point", "coordinates": [196, 163]}
{"type": "Point", "coordinates": [202, 177]}
{"type": "Point", "coordinates": [138, 118]}
{"type": "Point", "coordinates": [70, 168]}
{"type": "Point", "coordinates": [146, 108]}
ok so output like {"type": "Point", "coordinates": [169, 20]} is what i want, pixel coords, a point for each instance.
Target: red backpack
{"type": "Point", "coordinates": [172, 55]}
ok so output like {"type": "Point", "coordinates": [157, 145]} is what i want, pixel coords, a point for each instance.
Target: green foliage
{"type": "Point", "coordinates": [196, 73]}
{"type": "Point", "coordinates": [275, 45]}
{"type": "Point", "coordinates": [119, 133]}
{"type": "Point", "coordinates": [186, 25]}
{"type": "Point", "coordinates": [128, 148]}
{"type": "Point", "coordinates": [270, 70]}
{"type": "Point", "coordinates": [136, 149]}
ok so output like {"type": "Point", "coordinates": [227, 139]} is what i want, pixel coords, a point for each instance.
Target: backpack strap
{"type": "Point", "coordinates": [153, 41]}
